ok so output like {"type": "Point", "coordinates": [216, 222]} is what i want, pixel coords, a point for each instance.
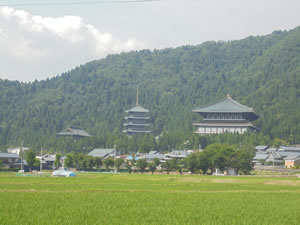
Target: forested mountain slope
{"type": "Point", "coordinates": [262, 72]}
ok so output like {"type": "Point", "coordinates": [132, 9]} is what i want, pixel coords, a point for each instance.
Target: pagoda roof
{"type": "Point", "coordinates": [136, 124]}
{"type": "Point", "coordinates": [227, 125]}
{"type": "Point", "coordinates": [136, 131]}
{"type": "Point", "coordinates": [227, 105]}
{"type": "Point", "coordinates": [137, 117]}
{"type": "Point", "coordinates": [137, 108]}
{"type": "Point", "coordinates": [74, 132]}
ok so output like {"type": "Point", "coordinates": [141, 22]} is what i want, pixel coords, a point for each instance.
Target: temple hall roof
{"type": "Point", "coordinates": [227, 105]}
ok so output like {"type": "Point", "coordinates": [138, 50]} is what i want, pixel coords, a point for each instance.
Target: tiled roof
{"type": "Point", "coordinates": [261, 147]}
{"type": "Point", "coordinates": [153, 156]}
{"type": "Point", "coordinates": [8, 155]}
{"type": "Point", "coordinates": [102, 152]}
{"type": "Point", "coordinates": [74, 132]}
{"type": "Point", "coordinates": [227, 105]}
{"type": "Point", "coordinates": [289, 148]}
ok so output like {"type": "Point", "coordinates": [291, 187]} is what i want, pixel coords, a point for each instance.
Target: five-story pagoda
{"type": "Point", "coordinates": [137, 121]}
{"type": "Point", "coordinates": [225, 116]}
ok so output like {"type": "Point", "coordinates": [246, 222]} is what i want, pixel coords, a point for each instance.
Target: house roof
{"type": "Point", "coordinates": [74, 132]}
{"type": "Point", "coordinates": [271, 149]}
{"type": "Point", "coordinates": [8, 155]}
{"type": "Point", "coordinates": [286, 154]}
{"type": "Point", "coordinates": [153, 156]}
{"type": "Point", "coordinates": [261, 147]}
{"type": "Point", "coordinates": [138, 108]}
{"type": "Point", "coordinates": [102, 152]}
{"type": "Point", "coordinates": [292, 157]}
{"type": "Point", "coordinates": [289, 148]}
{"type": "Point", "coordinates": [261, 156]}
{"type": "Point", "coordinates": [153, 152]}
{"type": "Point", "coordinates": [227, 105]}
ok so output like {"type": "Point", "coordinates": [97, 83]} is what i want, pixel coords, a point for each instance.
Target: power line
{"type": "Point", "coordinates": [79, 3]}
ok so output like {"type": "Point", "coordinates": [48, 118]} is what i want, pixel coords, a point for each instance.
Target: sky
{"type": "Point", "coordinates": [41, 39]}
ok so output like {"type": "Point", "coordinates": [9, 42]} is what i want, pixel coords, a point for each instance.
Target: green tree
{"type": "Point", "coordinates": [69, 161]}
{"type": "Point", "coordinates": [108, 162]}
{"type": "Point", "coordinates": [98, 162]}
{"type": "Point", "coordinates": [57, 163]}
{"type": "Point", "coordinates": [89, 162]}
{"type": "Point", "coordinates": [168, 165]}
{"type": "Point", "coordinates": [118, 163]}
{"type": "Point", "coordinates": [129, 166]}
{"type": "Point", "coordinates": [30, 158]}
{"type": "Point", "coordinates": [202, 162]}
{"type": "Point", "coordinates": [152, 167]}
{"type": "Point", "coordinates": [191, 163]}
{"type": "Point", "coordinates": [156, 161]}
{"type": "Point", "coordinates": [142, 164]}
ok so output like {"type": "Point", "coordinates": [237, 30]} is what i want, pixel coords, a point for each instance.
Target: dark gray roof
{"type": "Point", "coordinates": [261, 147]}
{"type": "Point", "coordinates": [129, 130]}
{"type": "Point", "coordinates": [261, 156]}
{"type": "Point", "coordinates": [271, 149]}
{"type": "Point", "coordinates": [153, 152]}
{"type": "Point", "coordinates": [137, 108]}
{"type": "Point", "coordinates": [8, 155]}
{"type": "Point", "coordinates": [74, 132]}
{"type": "Point", "coordinates": [285, 154]}
{"type": "Point", "coordinates": [220, 124]}
{"type": "Point", "coordinates": [153, 156]}
{"type": "Point", "coordinates": [102, 152]}
{"type": "Point", "coordinates": [227, 105]}
{"type": "Point", "coordinates": [136, 124]}
{"type": "Point", "coordinates": [289, 148]}
{"type": "Point", "coordinates": [292, 157]}
{"type": "Point", "coordinates": [137, 117]}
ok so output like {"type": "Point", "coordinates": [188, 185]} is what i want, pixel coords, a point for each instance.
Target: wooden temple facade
{"type": "Point", "coordinates": [225, 116]}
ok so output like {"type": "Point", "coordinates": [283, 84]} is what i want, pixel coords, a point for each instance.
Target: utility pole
{"type": "Point", "coordinates": [41, 164]}
{"type": "Point", "coordinates": [21, 154]}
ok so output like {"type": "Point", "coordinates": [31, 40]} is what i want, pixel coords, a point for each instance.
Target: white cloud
{"type": "Point", "coordinates": [36, 47]}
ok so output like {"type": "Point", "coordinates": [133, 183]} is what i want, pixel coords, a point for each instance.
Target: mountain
{"type": "Point", "coordinates": [262, 72]}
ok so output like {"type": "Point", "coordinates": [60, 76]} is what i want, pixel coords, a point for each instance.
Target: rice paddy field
{"type": "Point", "coordinates": [148, 199]}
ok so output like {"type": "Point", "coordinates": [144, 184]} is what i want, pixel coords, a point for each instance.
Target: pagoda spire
{"type": "Point", "coordinates": [137, 95]}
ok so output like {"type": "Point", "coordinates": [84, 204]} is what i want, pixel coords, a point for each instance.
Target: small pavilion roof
{"type": "Point", "coordinates": [137, 108]}
{"type": "Point", "coordinates": [74, 132]}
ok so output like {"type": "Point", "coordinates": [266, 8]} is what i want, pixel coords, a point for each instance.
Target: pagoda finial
{"type": "Point", "coordinates": [137, 95]}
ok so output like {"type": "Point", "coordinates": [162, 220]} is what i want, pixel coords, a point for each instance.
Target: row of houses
{"type": "Point", "coordinates": [177, 154]}
{"type": "Point", "coordinates": [284, 156]}
{"type": "Point", "coordinates": [14, 161]}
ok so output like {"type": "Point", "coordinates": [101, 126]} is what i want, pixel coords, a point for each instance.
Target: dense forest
{"type": "Point", "coordinates": [262, 72]}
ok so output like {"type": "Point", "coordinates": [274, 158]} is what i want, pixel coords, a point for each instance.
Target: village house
{"type": "Point", "coordinates": [103, 153]}
{"type": "Point", "coordinates": [10, 160]}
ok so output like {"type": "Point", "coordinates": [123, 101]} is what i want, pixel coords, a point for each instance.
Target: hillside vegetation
{"type": "Point", "coordinates": [262, 72]}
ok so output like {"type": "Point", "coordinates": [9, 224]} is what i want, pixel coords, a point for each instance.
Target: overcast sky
{"type": "Point", "coordinates": [40, 41]}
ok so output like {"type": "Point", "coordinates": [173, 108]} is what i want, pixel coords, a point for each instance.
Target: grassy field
{"type": "Point", "coordinates": [148, 199]}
